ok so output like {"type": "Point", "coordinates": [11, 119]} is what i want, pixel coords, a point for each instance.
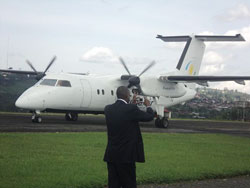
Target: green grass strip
{"type": "Point", "coordinates": [67, 160]}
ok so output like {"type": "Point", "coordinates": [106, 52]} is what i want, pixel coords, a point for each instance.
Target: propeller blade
{"type": "Point", "coordinates": [51, 62]}
{"type": "Point", "coordinates": [31, 66]}
{"type": "Point", "coordinates": [124, 65]}
{"type": "Point", "coordinates": [147, 68]}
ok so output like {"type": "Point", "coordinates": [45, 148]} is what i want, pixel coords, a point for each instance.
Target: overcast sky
{"type": "Point", "coordinates": [88, 36]}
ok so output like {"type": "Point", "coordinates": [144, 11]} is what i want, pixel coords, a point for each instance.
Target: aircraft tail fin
{"type": "Point", "coordinates": [191, 57]}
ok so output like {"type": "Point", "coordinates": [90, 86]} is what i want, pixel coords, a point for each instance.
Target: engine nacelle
{"type": "Point", "coordinates": [154, 87]}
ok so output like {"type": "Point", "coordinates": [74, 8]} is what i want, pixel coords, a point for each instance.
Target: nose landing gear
{"type": "Point", "coordinates": [36, 117]}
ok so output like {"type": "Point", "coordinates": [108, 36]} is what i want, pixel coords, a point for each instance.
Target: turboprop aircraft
{"type": "Point", "coordinates": [73, 93]}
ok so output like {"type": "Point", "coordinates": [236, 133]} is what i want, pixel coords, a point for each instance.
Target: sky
{"type": "Point", "coordinates": [90, 35]}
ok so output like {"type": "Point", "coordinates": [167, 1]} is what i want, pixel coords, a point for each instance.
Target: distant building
{"type": "Point", "coordinates": [242, 104]}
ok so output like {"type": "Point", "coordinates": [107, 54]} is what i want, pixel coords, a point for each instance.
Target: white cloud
{"type": "Point", "coordinates": [99, 54]}
{"type": "Point", "coordinates": [212, 57]}
{"type": "Point", "coordinates": [240, 12]}
{"type": "Point", "coordinates": [175, 45]}
{"type": "Point", "coordinates": [213, 63]}
{"type": "Point", "coordinates": [212, 69]}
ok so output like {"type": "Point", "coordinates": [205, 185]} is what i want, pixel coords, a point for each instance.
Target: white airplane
{"type": "Point", "coordinates": [83, 93]}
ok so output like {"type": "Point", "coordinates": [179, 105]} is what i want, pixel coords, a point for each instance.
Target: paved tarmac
{"type": "Point", "coordinates": [57, 123]}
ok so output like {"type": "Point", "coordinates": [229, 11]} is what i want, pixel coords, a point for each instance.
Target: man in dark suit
{"type": "Point", "coordinates": [125, 144]}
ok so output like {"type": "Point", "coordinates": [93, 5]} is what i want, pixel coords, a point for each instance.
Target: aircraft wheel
{"type": "Point", "coordinates": [164, 122]}
{"type": "Point", "coordinates": [36, 119]}
{"type": "Point", "coordinates": [68, 116]}
{"type": "Point", "coordinates": [161, 123]}
{"type": "Point", "coordinates": [71, 116]}
{"type": "Point", "coordinates": [157, 122]}
{"type": "Point", "coordinates": [39, 119]}
{"type": "Point", "coordinates": [74, 116]}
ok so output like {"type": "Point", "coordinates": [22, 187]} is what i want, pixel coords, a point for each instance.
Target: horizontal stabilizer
{"type": "Point", "coordinates": [204, 79]}
{"type": "Point", "coordinates": [208, 38]}
{"type": "Point", "coordinates": [215, 38]}
{"type": "Point", "coordinates": [174, 38]}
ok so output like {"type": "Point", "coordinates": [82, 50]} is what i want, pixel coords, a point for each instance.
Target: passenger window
{"type": "Point", "coordinates": [102, 91]}
{"type": "Point", "coordinates": [112, 92]}
{"type": "Point", "coordinates": [48, 82]}
{"type": "Point", "coordinates": [98, 91]}
{"type": "Point", "coordinates": [63, 83]}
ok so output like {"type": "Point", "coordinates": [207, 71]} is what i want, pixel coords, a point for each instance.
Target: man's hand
{"type": "Point", "coordinates": [146, 102]}
{"type": "Point", "coordinates": [133, 101]}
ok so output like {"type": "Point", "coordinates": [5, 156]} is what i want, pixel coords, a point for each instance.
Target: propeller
{"type": "Point", "coordinates": [31, 66]}
{"type": "Point", "coordinates": [124, 65]}
{"type": "Point", "coordinates": [134, 80]}
{"type": "Point", "coordinates": [40, 75]}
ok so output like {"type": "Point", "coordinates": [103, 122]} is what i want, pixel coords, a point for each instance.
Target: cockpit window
{"type": "Point", "coordinates": [48, 82]}
{"type": "Point", "coordinates": [63, 83]}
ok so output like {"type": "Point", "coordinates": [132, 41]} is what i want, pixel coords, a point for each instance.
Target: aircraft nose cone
{"type": "Point", "coordinates": [22, 102]}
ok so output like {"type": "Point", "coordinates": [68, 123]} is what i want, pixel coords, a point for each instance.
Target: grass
{"type": "Point", "coordinates": [61, 160]}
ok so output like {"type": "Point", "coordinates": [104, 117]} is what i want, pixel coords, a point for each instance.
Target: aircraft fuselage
{"type": "Point", "coordinates": [90, 94]}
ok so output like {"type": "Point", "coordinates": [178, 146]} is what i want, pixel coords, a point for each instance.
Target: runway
{"type": "Point", "coordinates": [88, 123]}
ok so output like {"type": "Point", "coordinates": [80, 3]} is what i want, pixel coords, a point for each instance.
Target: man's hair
{"type": "Point", "coordinates": [122, 92]}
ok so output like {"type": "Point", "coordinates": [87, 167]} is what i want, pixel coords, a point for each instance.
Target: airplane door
{"type": "Point", "coordinates": [87, 93]}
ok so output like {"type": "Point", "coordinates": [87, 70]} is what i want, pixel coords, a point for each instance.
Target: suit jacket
{"type": "Point", "coordinates": [125, 144]}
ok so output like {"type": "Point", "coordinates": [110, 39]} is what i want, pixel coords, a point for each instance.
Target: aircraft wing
{"type": "Point", "coordinates": [30, 72]}
{"type": "Point", "coordinates": [19, 71]}
{"type": "Point", "coordinates": [202, 80]}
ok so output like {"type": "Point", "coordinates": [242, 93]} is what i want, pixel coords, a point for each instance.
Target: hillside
{"type": "Point", "coordinates": [214, 104]}
{"type": "Point", "coordinates": [11, 87]}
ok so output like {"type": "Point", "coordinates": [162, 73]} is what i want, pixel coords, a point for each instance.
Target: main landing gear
{"type": "Point", "coordinates": [161, 122]}
{"type": "Point", "coordinates": [71, 116]}
{"type": "Point", "coordinates": [162, 115]}
{"type": "Point", "coordinates": [36, 117]}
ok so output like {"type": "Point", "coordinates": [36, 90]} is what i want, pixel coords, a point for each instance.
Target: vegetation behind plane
{"type": "Point", "coordinates": [214, 104]}
{"type": "Point", "coordinates": [11, 87]}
